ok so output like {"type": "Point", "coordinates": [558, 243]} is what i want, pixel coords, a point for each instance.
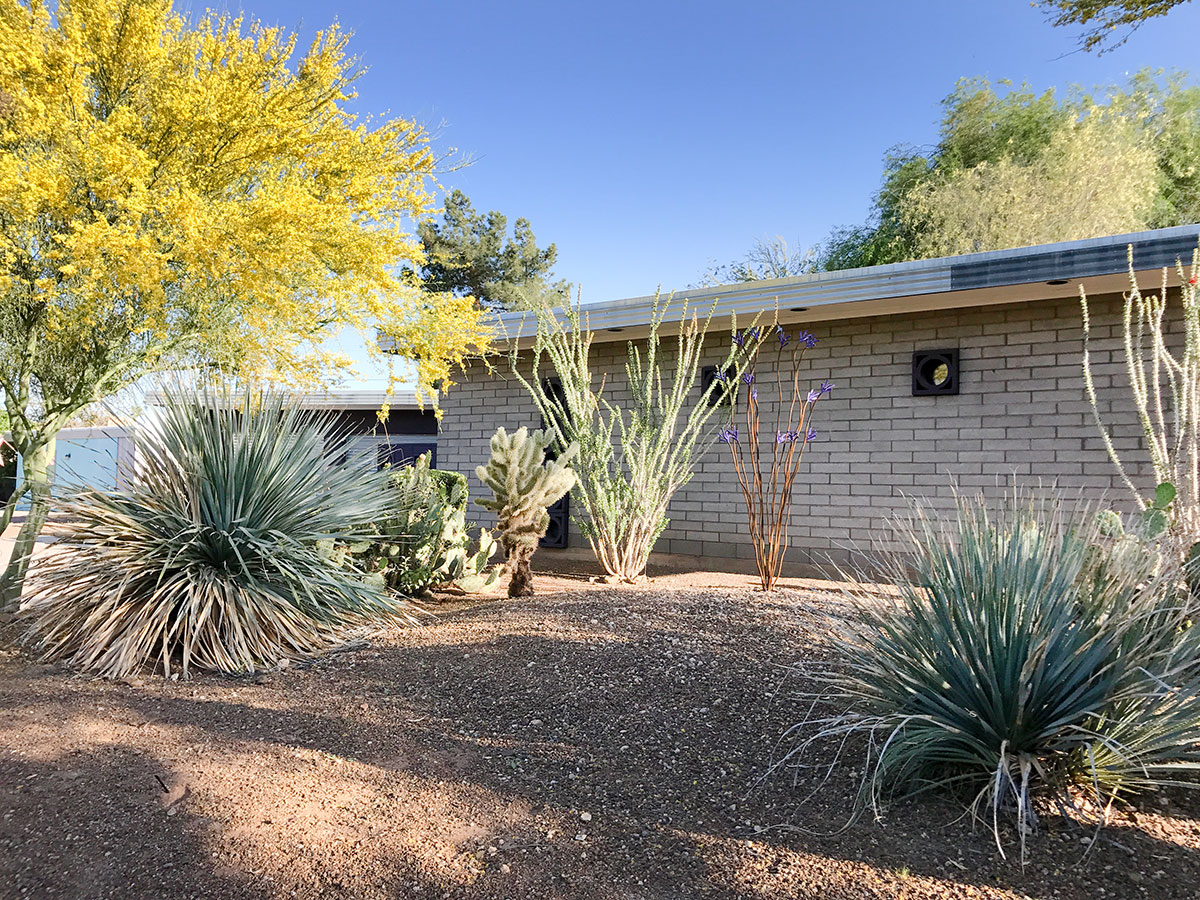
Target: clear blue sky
{"type": "Point", "coordinates": [648, 138]}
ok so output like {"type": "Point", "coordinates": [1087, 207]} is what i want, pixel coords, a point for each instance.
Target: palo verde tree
{"type": "Point", "coordinates": [1107, 23]}
{"type": "Point", "coordinates": [176, 193]}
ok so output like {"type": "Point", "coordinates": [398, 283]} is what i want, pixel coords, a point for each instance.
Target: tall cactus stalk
{"type": "Point", "coordinates": [525, 484]}
{"type": "Point", "coordinates": [1166, 391]}
{"type": "Point", "coordinates": [634, 455]}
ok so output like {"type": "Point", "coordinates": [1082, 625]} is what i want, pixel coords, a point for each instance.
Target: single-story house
{"type": "Point", "coordinates": [1004, 326]}
{"type": "Point", "coordinates": [101, 456]}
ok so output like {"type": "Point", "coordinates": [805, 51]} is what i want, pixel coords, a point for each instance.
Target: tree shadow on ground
{"type": "Point", "coordinates": [101, 825]}
{"type": "Point", "coordinates": [655, 719]}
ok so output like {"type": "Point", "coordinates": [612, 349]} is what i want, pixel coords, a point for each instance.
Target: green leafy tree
{"type": "Point", "coordinates": [1107, 23]}
{"type": "Point", "coordinates": [1093, 179]}
{"type": "Point", "coordinates": [470, 254]}
{"type": "Point", "coordinates": [1007, 155]}
{"type": "Point", "coordinates": [1167, 110]}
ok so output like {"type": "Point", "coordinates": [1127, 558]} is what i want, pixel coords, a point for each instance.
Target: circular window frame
{"type": "Point", "coordinates": [925, 365]}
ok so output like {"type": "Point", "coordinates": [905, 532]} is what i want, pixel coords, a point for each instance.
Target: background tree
{"type": "Point", "coordinates": [1108, 22]}
{"type": "Point", "coordinates": [1093, 179]}
{"type": "Point", "coordinates": [470, 254]}
{"type": "Point", "coordinates": [175, 194]}
{"type": "Point", "coordinates": [768, 258]}
{"type": "Point", "coordinates": [958, 196]}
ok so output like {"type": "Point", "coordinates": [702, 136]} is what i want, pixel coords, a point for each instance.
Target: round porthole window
{"type": "Point", "coordinates": [935, 372]}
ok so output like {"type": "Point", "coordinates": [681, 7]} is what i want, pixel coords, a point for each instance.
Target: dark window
{"type": "Point", "coordinates": [553, 389]}
{"type": "Point", "coordinates": [404, 453]}
{"type": "Point", "coordinates": [721, 395]}
{"type": "Point", "coordinates": [558, 533]}
{"type": "Point", "coordinates": [935, 372]}
{"type": "Point", "coordinates": [398, 421]}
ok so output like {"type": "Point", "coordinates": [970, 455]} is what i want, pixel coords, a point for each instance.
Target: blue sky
{"type": "Point", "coordinates": [647, 139]}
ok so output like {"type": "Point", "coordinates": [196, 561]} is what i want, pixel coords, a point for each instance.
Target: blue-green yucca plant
{"type": "Point", "coordinates": [210, 558]}
{"type": "Point", "coordinates": [1020, 656]}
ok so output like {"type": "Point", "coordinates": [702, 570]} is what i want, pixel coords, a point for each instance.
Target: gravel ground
{"type": "Point", "coordinates": [587, 743]}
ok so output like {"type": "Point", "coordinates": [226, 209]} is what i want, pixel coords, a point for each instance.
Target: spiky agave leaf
{"type": "Point", "coordinates": [1017, 657]}
{"type": "Point", "coordinates": [212, 558]}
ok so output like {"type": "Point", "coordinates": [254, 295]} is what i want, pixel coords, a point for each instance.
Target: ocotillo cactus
{"type": "Point", "coordinates": [525, 483]}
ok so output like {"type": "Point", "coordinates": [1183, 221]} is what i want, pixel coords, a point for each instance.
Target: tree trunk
{"type": "Point", "coordinates": [521, 583]}
{"type": "Point", "coordinates": [37, 465]}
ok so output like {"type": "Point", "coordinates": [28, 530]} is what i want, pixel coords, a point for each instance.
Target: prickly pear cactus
{"type": "Point", "coordinates": [425, 543]}
{"type": "Point", "coordinates": [524, 484]}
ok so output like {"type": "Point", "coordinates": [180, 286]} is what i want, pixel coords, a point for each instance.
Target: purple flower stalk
{"type": "Point", "coordinates": [811, 436]}
{"type": "Point", "coordinates": [748, 379]}
{"type": "Point", "coordinates": [806, 339]}
{"type": "Point", "coordinates": [728, 435]}
{"type": "Point", "coordinates": [783, 338]}
{"type": "Point", "coordinates": [817, 393]}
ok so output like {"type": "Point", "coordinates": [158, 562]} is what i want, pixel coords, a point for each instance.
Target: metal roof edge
{"type": "Point", "coordinates": [1020, 265]}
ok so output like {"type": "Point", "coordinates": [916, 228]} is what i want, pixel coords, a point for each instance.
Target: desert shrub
{"type": "Point", "coordinates": [450, 484]}
{"type": "Point", "coordinates": [636, 453]}
{"type": "Point", "coordinates": [524, 485]}
{"type": "Point", "coordinates": [210, 558]}
{"type": "Point", "coordinates": [1019, 657]}
{"type": "Point", "coordinates": [424, 541]}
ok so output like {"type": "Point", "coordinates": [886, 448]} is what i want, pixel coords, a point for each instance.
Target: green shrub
{"type": "Point", "coordinates": [1020, 657]}
{"type": "Point", "coordinates": [424, 541]}
{"type": "Point", "coordinates": [211, 558]}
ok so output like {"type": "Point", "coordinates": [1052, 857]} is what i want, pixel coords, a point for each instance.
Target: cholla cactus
{"type": "Point", "coordinates": [525, 483]}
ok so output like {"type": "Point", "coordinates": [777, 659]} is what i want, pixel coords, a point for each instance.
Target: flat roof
{"type": "Point", "coordinates": [975, 279]}
{"type": "Point", "coordinates": [356, 398]}
{"type": "Point", "coordinates": [348, 398]}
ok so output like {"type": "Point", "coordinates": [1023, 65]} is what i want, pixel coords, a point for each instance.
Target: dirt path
{"type": "Point", "coordinates": [586, 744]}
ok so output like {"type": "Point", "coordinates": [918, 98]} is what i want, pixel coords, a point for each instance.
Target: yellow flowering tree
{"type": "Point", "coordinates": [175, 194]}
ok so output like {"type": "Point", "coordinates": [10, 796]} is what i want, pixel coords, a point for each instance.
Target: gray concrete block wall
{"type": "Point", "coordinates": [1021, 414]}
